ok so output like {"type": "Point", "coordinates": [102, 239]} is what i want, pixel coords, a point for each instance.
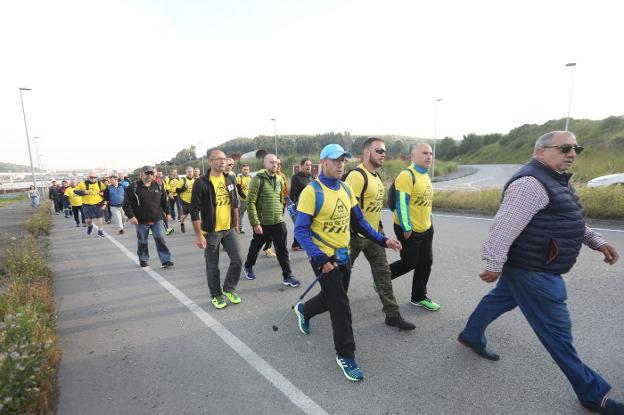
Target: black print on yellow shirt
{"type": "Point", "coordinates": [339, 220]}
{"type": "Point", "coordinates": [376, 204]}
{"type": "Point", "coordinates": [425, 199]}
{"type": "Point", "coordinates": [223, 197]}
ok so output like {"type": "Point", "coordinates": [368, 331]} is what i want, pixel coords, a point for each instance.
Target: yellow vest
{"type": "Point", "coordinates": [420, 198]}
{"type": "Point", "coordinates": [74, 199]}
{"type": "Point", "coordinates": [243, 181]}
{"type": "Point", "coordinates": [92, 196]}
{"type": "Point", "coordinates": [373, 194]}
{"type": "Point", "coordinates": [187, 194]}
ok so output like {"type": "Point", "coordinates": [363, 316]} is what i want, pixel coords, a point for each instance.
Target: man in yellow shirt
{"type": "Point", "coordinates": [93, 204]}
{"type": "Point", "coordinates": [369, 191]}
{"type": "Point", "coordinates": [326, 210]}
{"type": "Point", "coordinates": [412, 224]}
{"type": "Point", "coordinates": [75, 201]}
{"type": "Point", "coordinates": [242, 185]}
{"type": "Point", "coordinates": [214, 216]}
{"type": "Point", "coordinates": [171, 184]}
{"type": "Point", "coordinates": [185, 191]}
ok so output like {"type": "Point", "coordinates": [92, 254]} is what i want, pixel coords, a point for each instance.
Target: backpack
{"type": "Point", "coordinates": [363, 173]}
{"type": "Point", "coordinates": [99, 183]}
{"type": "Point", "coordinates": [392, 191]}
{"type": "Point", "coordinates": [319, 198]}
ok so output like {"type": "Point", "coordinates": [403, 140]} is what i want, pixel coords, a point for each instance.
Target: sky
{"type": "Point", "coordinates": [127, 83]}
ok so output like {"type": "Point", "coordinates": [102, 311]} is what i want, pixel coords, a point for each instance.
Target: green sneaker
{"type": "Point", "coordinates": [233, 297]}
{"type": "Point", "coordinates": [218, 302]}
{"type": "Point", "coordinates": [427, 304]}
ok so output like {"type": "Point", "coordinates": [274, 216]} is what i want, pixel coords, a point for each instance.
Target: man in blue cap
{"type": "Point", "coordinates": [327, 210]}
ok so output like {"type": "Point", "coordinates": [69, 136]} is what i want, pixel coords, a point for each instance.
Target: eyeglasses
{"type": "Point", "coordinates": [230, 165]}
{"type": "Point", "coordinates": [566, 148]}
{"type": "Point", "coordinates": [380, 150]}
{"type": "Point", "coordinates": [218, 159]}
{"type": "Point", "coordinates": [92, 177]}
{"type": "Point", "coordinates": [151, 173]}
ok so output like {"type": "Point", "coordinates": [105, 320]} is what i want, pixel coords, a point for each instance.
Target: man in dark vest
{"type": "Point", "coordinates": [536, 236]}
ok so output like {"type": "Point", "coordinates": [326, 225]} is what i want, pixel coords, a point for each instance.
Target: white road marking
{"type": "Point", "coordinates": [294, 394]}
{"type": "Point", "coordinates": [478, 218]}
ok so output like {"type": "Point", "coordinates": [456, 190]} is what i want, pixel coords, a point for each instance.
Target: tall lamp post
{"type": "Point", "coordinates": [275, 133]}
{"type": "Point", "coordinates": [435, 136]}
{"type": "Point", "coordinates": [198, 145]}
{"type": "Point", "coordinates": [32, 168]}
{"type": "Point", "coordinates": [573, 66]}
{"type": "Point", "coordinates": [36, 139]}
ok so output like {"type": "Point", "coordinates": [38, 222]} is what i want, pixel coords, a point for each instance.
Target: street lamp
{"type": "Point", "coordinates": [36, 139]}
{"type": "Point", "coordinates": [202, 156]}
{"type": "Point", "coordinates": [275, 133]}
{"type": "Point", "coordinates": [435, 136]}
{"type": "Point", "coordinates": [32, 168]}
{"type": "Point", "coordinates": [573, 66]}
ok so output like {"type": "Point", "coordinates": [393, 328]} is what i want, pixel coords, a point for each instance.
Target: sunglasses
{"type": "Point", "coordinates": [149, 172]}
{"type": "Point", "coordinates": [230, 165]}
{"type": "Point", "coordinates": [566, 148]}
{"type": "Point", "coordinates": [380, 150]}
{"type": "Point", "coordinates": [92, 177]}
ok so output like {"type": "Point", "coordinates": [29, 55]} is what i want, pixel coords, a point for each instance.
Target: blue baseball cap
{"type": "Point", "coordinates": [334, 151]}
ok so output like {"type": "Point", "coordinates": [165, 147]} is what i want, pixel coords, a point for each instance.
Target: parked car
{"type": "Point", "coordinates": [608, 180]}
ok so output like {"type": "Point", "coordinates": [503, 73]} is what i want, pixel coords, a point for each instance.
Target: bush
{"type": "Point", "coordinates": [41, 222]}
{"type": "Point", "coordinates": [599, 203]}
{"type": "Point", "coordinates": [29, 354]}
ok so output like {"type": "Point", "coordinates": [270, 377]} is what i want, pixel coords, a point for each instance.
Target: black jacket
{"type": "Point", "coordinates": [298, 182]}
{"type": "Point", "coordinates": [147, 204]}
{"type": "Point", "coordinates": [204, 201]}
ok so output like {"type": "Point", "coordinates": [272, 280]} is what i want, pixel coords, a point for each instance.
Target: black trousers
{"type": "Point", "coordinates": [417, 255]}
{"type": "Point", "coordinates": [333, 298]}
{"type": "Point", "coordinates": [277, 233]}
{"type": "Point", "coordinates": [78, 210]}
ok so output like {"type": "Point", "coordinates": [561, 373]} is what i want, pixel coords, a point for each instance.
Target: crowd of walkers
{"type": "Point", "coordinates": [337, 217]}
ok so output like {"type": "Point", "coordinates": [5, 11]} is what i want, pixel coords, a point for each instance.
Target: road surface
{"type": "Point", "coordinates": [147, 341]}
{"type": "Point", "coordinates": [487, 176]}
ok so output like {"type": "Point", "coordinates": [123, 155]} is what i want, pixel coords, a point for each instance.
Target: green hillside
{"type": "Point", "coordinates": [603, 141]}
{"type": "Point", "coordinates": [15, 168]}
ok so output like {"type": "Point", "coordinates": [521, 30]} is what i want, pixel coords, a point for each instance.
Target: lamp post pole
{"type": "Point", "coordinates": [275, 133]}
{"type": "Point", "coordinates": [573, 66]}
{"type": "Point", "coordinates": [32, 168]}
{"type": "Point", "coordinates": [435, 136]}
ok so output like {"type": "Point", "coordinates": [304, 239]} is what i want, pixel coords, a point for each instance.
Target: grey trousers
{"type": "Point", "coordinates": [242, 208]}
{"type": "Point", "coordinates": [376, 256]}
{"type": "Point", "coordinates": [229, 240]}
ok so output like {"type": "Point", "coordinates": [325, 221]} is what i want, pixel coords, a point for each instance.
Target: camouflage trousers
{"type": "Point", "coordinates": [376, 256]}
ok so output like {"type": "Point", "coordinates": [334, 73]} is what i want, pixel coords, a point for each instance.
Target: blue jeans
{"type": "Point", "coordinates": [542, 299]}
{"type": "Point", "coordinates": [158, 231]}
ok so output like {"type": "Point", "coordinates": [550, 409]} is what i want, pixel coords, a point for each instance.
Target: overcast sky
{"type": "Point", "coordinates": [125, 83]}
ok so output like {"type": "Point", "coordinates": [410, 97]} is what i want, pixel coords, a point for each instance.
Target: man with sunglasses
{"type": "Point", "coordinates": [369, 191]}
{"type": "Point", "coordinates": [536, 236]}
{"type": "Point", "coordinates": [93, 204]}
{"type": "Point", "coordinates": [145, 204]}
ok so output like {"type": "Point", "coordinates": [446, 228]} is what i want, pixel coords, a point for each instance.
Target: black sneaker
{"type": "Point", "coordinates": [397, 321]}
{"type": "Point", "coordinates": [167, 264]}
{"type": "Point", "coordinates": [77, 225]}
{"type": "Point", "coordinates": [142, 264]}
{"type": "Point", "coordinates": [121, 231]}
{"type": "Point", "coordinates": [182, 228]}
{"type": "Point", "coordinates": [89, 229]}
{"type": "Point", "coordinates": [611, 407]}
{"type": "Point", "coordinates": [484, 352]}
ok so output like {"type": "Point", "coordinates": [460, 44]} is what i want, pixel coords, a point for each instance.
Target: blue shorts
{"type": "Point", "coordinates": [92, 211]}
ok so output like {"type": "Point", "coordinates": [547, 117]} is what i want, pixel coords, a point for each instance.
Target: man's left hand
{"type": "Point", "coordinates": [489, 276]}
{"type": "Point", "coordinates": [610, 254]}
{"type": "Point", "coordinates": [393, 244]}
{"type": "Point", "coordinates": [168, 218]}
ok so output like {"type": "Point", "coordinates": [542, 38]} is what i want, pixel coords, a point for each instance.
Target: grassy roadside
{"type": "Point", "coordinates": [11, 199]}
{"type": "Point", "coordinates": [29, 354]}
{"type": "Point", "coordinates": [599, 203]}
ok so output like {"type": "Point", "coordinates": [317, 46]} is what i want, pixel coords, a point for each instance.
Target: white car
{"type": "Point", "coordinates": [608, 180]}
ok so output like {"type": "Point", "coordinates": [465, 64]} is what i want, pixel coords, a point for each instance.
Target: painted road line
{"type": "Point", "coordinates": [293, 393]}
{"type": "Point", "coordinates": [478, 218]}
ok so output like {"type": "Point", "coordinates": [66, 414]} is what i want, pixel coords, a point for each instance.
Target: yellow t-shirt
{"type": "Point", "coordinates": [243, 181]}
{"type": "Point", "coordinates": [187, 194]}
{"type": "Point", "coordinates": [373, 196]}
{"type": "Point", "coordinates": [74, 199]}
{"type": "Point", "coordinates": [223, 210]}
{"type": "Point", "coordinates": [331, 223]}
{"type": "Point", "coordinates": [92, 196]}
{"type": "Point", "coordinates": [421, 198]}
{"type": "Point", "coordinates": [171, 183]}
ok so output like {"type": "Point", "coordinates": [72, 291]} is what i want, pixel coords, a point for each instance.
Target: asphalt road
{"type": "Point", "coordinates": [487, 176]}
{"type": "Point", "coordinates": [131, 347]}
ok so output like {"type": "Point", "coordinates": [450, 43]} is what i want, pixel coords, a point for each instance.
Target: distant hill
{"type": "Point", "coordinates": [603, 141]}
{"type": "Point", "coordinates": [15, 168]}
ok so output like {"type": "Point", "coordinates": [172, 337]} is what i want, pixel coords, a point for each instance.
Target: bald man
{"type": "Point", "coordinates": [412, 225]}
{"type": "Point", "coordinates": [93, 203]}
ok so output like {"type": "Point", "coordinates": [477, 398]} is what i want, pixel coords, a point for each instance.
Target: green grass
{"type": "Point", "coordinates": [4, 201]}
{"type": "Point", "coordinates": [599, 203]}
{"type": "Point", "coordinates": [29, 354]}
